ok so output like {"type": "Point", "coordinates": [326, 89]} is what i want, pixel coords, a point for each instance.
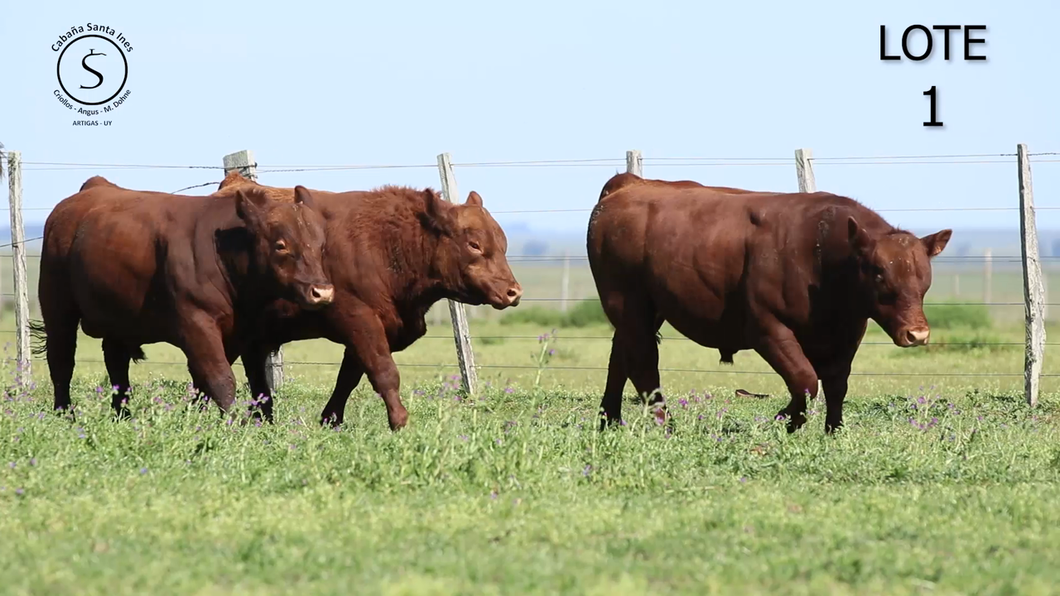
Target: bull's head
{"type": "Point", "coordinates": [894, 272]}
{"type": "Point", "coordinates": [289, 244]}
{"type": "Point", "coordinates": [471, 252]}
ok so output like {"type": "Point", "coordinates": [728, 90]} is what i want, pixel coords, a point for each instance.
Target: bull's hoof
{"type": "Point", "coordinates": [608, 421]}
{"type": "Point", "coordinates": [398, 420]}
{"type": "Point", "coordinates": [329, 419]}
{"type": "Point", "coordinates": [66, 412]}
{"type": "Point", "coordinates": [795, 421]}
{"type": "Point", "coordinates": [122, 413]}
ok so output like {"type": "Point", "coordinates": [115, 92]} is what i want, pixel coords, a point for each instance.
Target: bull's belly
{"type": "Point", "coordinates": [726, 333]}
{"type": "Point", "coordinates": [705, 319]}
{"type": "Point", "coordinates": [108, 314]}
{"type": "Point", "coordinates": [133, 331]}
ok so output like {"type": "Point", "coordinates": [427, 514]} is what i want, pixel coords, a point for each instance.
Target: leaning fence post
{"type": "Point", "coordinates": [248, 168]}
{"type": "Point", "coordinates": [461, 332]}
{"type": "Point", "coordinates": [804, 170]}
{"type": "Point", "coordinates": [18, 256]}
{"type": "Point", "coordinates": [635, 163]}
{"type": "Point", "coordinates": [1033, 289]}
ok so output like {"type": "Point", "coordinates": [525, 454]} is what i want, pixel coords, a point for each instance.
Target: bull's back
{"type": "Point", "coordinates": [102, 249]}
{"type": "Point", "coordinates": [106, 217]}
{"type": "Point", "coordinates": [652, 231]}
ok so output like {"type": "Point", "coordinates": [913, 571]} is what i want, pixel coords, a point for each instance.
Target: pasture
{"type": "Point", "coordinates": [941, 480]}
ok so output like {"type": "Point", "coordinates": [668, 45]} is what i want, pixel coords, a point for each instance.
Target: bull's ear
{"type": "Point", "coordinates": [936, 242]}
{"type": "Point", "coordinates": [437, 215]}
{"type": "Point", "coordinates": [302, 196]}
{"type": "Point", "coordinates": [249, 206]}
{"type": "Point", "coordinates": [473, 199]}
{"type": "Point", "coordinates": [859, 238]}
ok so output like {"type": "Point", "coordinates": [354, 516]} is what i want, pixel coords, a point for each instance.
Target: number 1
{"type": "Point", "coordinates": [934, 100]}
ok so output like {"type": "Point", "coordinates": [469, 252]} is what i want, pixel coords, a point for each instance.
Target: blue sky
{"type": "Point", "coordinates": [399, 82]}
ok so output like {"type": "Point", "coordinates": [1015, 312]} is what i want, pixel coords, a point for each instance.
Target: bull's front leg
{"type": "Point", "coordinates": [782, 351]}
{"type": "Point", "coordinates": [255, 362]}
{"type": "Point", "coordinates": [208, 363]}
{"type": "Point", "coordinates": [350, 373]}
{"type": "Point", "coordinates": [365, 336]}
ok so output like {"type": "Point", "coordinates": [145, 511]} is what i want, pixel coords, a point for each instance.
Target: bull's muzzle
{"type": "Point", "coordinates": [507, 297]}
{"type": "Point", "coordinates": [320, 295]}
{"type": "Point", "coordinates": [914, 336]}
{"type": "Point", "coordinates": [515, 293]}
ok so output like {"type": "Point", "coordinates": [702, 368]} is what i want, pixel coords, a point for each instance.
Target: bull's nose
{"type": "Point", "coordinates": [322, 294]}
{"type": "Point", "coordinates": [917, 336]}
{"type": "Point", "coordinates": [514, 294]}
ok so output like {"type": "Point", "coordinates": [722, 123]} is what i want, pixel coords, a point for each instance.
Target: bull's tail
{"type": "Point", "coordinates": [39, 338]}
{"type": "Point", "coordinates": [137, 354]}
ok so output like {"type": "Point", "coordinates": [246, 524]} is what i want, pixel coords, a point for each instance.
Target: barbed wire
{"type": "Point", "coordinates": [589, 209]}
{"type": "Point", "coordinates": [971, 158]}
{"type": "Point", "coordinates": [581, 258]}
{"type": "Point", "coordinates": [26, 241]}
{"type": "Point", "coordinates": [666, 338]}
{"type": "Point", "coordinates": [603, 369]}
{"type": "Point", "coordinates": [940, 159]}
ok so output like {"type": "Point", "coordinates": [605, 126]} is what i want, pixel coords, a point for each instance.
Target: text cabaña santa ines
{"type": "Point", "coordinates": [91, 28]}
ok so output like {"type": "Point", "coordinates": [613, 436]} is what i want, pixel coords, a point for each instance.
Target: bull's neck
{"type": "Point", "coordinates": [234, 249]}
{"type": "Point", "coordinates": [836, 267]}
{"type": "Point", "coordinates": [416, 276]}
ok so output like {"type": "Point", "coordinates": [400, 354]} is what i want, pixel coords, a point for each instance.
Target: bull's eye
{"type": "Point", "coordinates": [280, 246]}
{"type": "Point", "coordinates": [474, 246]}
{"type": "Point", "coordinates": [879, 278]}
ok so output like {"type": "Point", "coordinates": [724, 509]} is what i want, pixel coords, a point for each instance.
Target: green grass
{"type": "Point", "coordinates": [516, 492]}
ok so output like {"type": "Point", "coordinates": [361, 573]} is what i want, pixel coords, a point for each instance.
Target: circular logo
{"type": "Point", "coordinates": [92, 70]}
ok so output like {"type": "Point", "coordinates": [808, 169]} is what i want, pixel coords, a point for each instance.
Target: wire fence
{"type": "Point", "coordinates": [1010, 159]}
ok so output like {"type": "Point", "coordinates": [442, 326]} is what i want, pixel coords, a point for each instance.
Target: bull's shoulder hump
{"type": "Point", "coordinates": [98, 182]}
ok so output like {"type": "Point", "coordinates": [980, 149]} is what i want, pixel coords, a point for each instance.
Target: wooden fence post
{"type": "Point", "coordinates": [804, 170]}
{"type": "Point", "coordinates": [18, 257]}
{"type": "Point", "coordinates": [635, 163]}
{"type": "Point", "coordinates": [807, 183]}
{"type": "Point", "coordinates": [248, 167]}
{"type": "Point", "coordinates": [461, 332]}
{"type": "Point", "coordinates": [1033, 289]}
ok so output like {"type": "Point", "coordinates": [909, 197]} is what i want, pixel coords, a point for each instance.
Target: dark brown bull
{"type": "Point", "coordinates": [392, 253]}
{"type": "Point", "coordinates": [795, 277]}
{"type": "Point", "coordinates": [137, 267]}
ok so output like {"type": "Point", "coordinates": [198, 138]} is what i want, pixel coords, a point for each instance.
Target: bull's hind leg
{"type": "Point", "coordinates": [782, 351]}
{"type": "Point", "coordinates": [611, 406]}
{"type": "Point", "coordinates": [642, 365]}
{"type": "Point", "coordinates": [634, 356]}
{"type": "Point", "coordinates": [116, 357]}
{"type": "Point", "coordinates": [60, 345]}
